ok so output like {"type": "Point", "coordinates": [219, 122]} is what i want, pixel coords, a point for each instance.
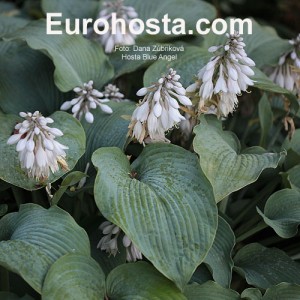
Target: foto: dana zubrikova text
{"type": "Point", "coordinates": [149, 53]}
{"type": "Point", "coordinates": [151, 26]}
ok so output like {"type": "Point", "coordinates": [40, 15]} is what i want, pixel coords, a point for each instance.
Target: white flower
{"type": "Point", "coordinates": [38, 151]}
{"type": "Point", "coordinates": [112, 92]}
{"type": "Point", "coordinates": [109, 40]}
{"type": "Point", "coordinates": [224, 77]}
{"type": "Point", "coordinates": [87, 98]}
{"type": "Point", "coordinates": [132, 253]}
{"type": "Point", "coordinates": [109, 242]}
{"type": "Point", "coordinates": [287, 73]}
{"type": "Point", "coordinates": [159, 110]}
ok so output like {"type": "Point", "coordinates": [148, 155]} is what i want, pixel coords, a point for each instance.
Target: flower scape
{"type": "Point", "coordinates": [109, 40]}
{"type": "Point", "coordinates": [149, 179]}
{"type": "Point", "coordinates": [224, 77]}
{"type": "Point", "coordinates": [287, 73]}
{"type": "Point", "coordinates": [38, 151]}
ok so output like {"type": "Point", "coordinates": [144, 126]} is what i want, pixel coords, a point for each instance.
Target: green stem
{"type": "Point", "coordinates": [77, 207]}
{"type": "Point", "coordinates": [4, 282]}
{"type": "Point", "coordinates": [254, 220]}
{"type": "Point", "coordinates": [275, 135]}
{"type": "Point", "coordinates": [265, 192]}
{"type": "Point", "coordinates": [258, 228]}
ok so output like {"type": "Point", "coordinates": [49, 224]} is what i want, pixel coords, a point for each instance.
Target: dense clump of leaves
{"type": "Point", "coordinates": [214, 213]}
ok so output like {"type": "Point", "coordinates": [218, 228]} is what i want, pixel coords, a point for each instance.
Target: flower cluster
{"type": "Point", "coordinates": [112, 92]}
{"type": "Point", "coordinates": [109, 39]}
{"type": "Point", "coordinates": [224, 77]}
{"type": "Point", "coordinates": [109, 242]}
{"type": "Point", "coordinates": [87, 98]}
{"type": "Point", "coordinates": [159, 109]}
{"type": "Point", "coordinates": [287, 73]}
{"type": "Point", "coordinates": [38, 151]}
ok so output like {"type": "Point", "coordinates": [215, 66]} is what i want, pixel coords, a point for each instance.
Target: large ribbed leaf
{"type": "Point", "coordinates": [264, 267]}
{"type": "Point", "coordinates": [226, 169]}
{"type": "Point", "coordinates": [77, 60]}
{"type": "Point", "coordinates": [10, 168]}
{"type": "Point", "coordinates": [140, 281]}
{"type": "Point", "coordinates": [283, 291]}
{"type": "Point", "coordinates": [74, 276]}
{"type": "Point", "coordinates": [209, 291]}
{"type": "Point", "coordinates": [78, 9]}
{"type": "Point", "coordinates": [282, 212]}
{"type": "Point", "coordinates": [26, 80]}
{"type": "Point", "coordinates": [9, 24]}
{"type": "Point", "coordinates": [292, 146]}
{"type": "Point", "coordinates": [219, 256]}
{"type": "Point", "coordinates": [27, 260]}
{"type": "Point", "coordinates": [251, 294]}
{"type": "Point", "coordinates": [293, 176]}
{"type": "Point", "coordinates": [163, 202]}
{"type": "Point", "coordinates": [107, 130]}
{"type": "Point", "coordinates": [34, 238]}
{"type": "Point", "coordinates": [293, 143]}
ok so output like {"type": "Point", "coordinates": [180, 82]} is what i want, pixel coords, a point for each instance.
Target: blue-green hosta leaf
{"type": "Point", "coordinates": [10, 168]}
{"type": "Point", "coordinates": [74, 276]}
{"type": "Point", "coordinates": [163, 202]}
{"type": "Point", "coordinates": [79, 8]}
{"type": "Point", "coordinates": [292, 146]}
{"type": "Point", "coordinates": [140, 281]}
{"type": "Point", "coordinates": [25, 259]}
{"type": "Point", "coordinates": [26, 80]}
{"type": "Point", "coordinates": [190, 10]}
{"type": "Point", "coordinates": [264, 267]}
{"type": "Point", "coordinates": [187, 66]}
{"type": "Point", "coordinates": [3, 209]}
{"type": "Point", "coordinates": [34, 238]}
{"type": "Point", "coordinates": [209, 291]}
{"type": "Point", "coordinates": [294, 177]}
{"type": "Point", "coordinates": [77, 60]}
{"type": "Point", "coordinates": [293, 143]}
{"type": "Point", "coordinates": [283, 291]}
{"type": "Point", "coordinates": [10, 24]}
{"type": "Point", "coordinates": [107, 130]}
{"type": "Point", "coordinates": [282, 212]}
{"type": "Point", "coordinates": [251, 294]}
{"type": "Point", "coordinates": [226, 169]}
{"type": "Point", "coordinates": [219, 256]}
